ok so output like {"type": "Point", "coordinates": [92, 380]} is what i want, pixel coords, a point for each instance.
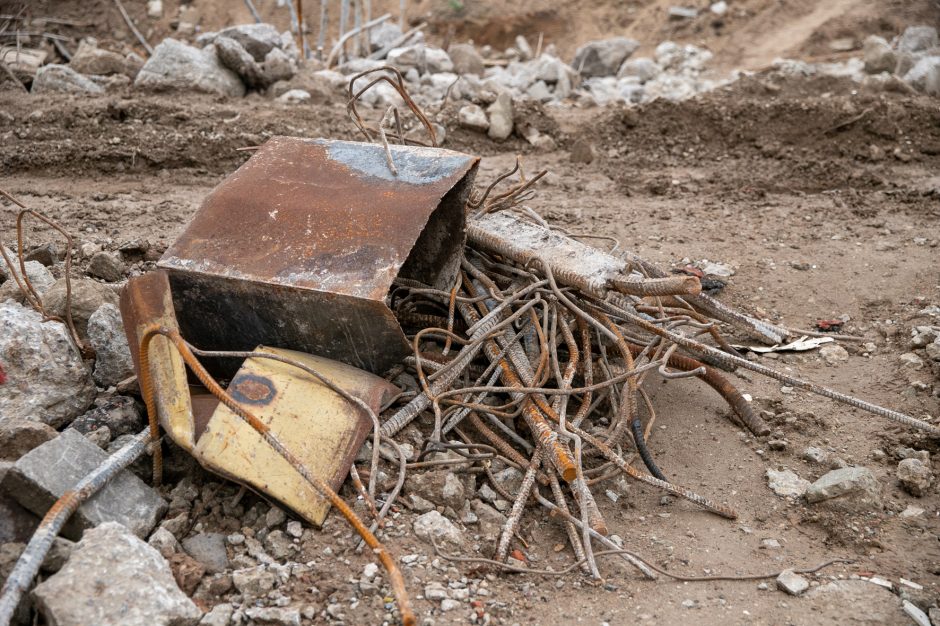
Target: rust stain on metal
{"type": "Point", "coordinates": [252, 389]}
{"type": "Point", "coordinates": [299, 247]}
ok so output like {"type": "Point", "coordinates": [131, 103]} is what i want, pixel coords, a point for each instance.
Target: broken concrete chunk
{"type": "Point", "coordinates": [87, 297]}
{"type": "Point", "coordinates": [43, 475]}
{"type": "Point", "coordinates": [18, 436]}
{"type": "Point", "coordinates": [47, 380]}
{"type": "Point", "coordinates": [113, 578]}
{"type": "Point", "coordinates": [107, 266]}
{"type": "Point", "coordinates": [257, 39]}
{"type": "Point", "coordinates": [433, 525]}
{"type": "Point", "coordinates": [792, 583]}
{"type": "Point", "coordinates": [176, 66]}
{"type": "Point", "coordinates": [61, 78]}
{"type": "Point", "coordinates": [786, 483]}
{"type": "Point", "coordinates": [120, 415]}
{"type": "Point", "coordinates": [112, 354]}
{"type": "Point", "coordinates": [208, 549]}
{"type": "Point", "coordinates": [603, 57]}
{"type": "Point", "coordinates": [253, 582]}
{"type": "Point", "coordinates": [915, 476]}
{"type": "Point", "coordinates": [473, 117]}
{"type": "Point", "coordinates": [501, 117]}
{"type": "Point", "coordinates": [466, 59]}
{"type": "Point", "coordinates": [164, 542]}
{"type": "Point", "coordinates": [39, 277]}
{"type": "Point", "coordinates": [849, 484]}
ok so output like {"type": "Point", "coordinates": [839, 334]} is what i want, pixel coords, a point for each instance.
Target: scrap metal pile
{"type": "Point", "coordinates": [366, 264]}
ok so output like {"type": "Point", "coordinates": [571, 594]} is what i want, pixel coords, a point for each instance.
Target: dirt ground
{"type": "Point", "coordinates": [824, 197]}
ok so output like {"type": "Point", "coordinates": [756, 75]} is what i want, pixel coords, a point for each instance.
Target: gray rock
{"type": "Point", "coordinates": [933, 350]}
{"type": "Point", "coordinates": [879, 56]}
{"type": "Point", "coordinates": [792, 583]}
{"type": "Point", "coordinates": [832, 602]}
{"type": "Point", "coordinates": [833, 354]}
{"type": "Point", "coordinates": [254, 582]}
{"type": "Point", "coordinates": [175, 66]}
{"type": "Point", "coordinates": [273, 615]}
{"type": "Point", "coordinates": [164, 542]}
{"type": "Point", "coordinates": [274, 517]}
{"type": "Point", "coordinates": [279, 545]}
{"type": "Point", "coordinates": [911, 360]}
{"type": "Point", "coordinates": [257, 39]}
{"type": "Point", "coordinates": [918, 39]}
{"type": "Point", "coordinates": [112, 354]}
{"type": "Point", "coordinates": [121, 415]}
{"type": "Point", "coordinates": [18, 436]}
{"type": "Point", "coordinates": [208, 549]}
{"type": "Point", "coordinates": [233, 56]}
{"type": "Point", "coordinates": [55, 78]}
{"type": "Point", "coordinates": [17, 524]}
{"type": "Point", "coordinates": [490, 520]}
{"type": "Point", "coordinates": [501, 117]}
{"type": "Point", "coordinates": [786, 483]}
{"type": "Point", "coordinates": [643, 69]}
{"type": "Point", "coordinates": [440, 487]}
{"type": "Point", "coordinates": [107, 266]}
{"type": "Point", "coordinates": [87, 297]}
{"type": "Point", "coordinates": [277, 66]}
{"type": "Point", "coordinates": [57, 555]}
{"type": "Point", "coordinates": [466, 59]}
{"type": "Point", "coordinates": [433, 525]}
{"type": "Point", "coordinates": [423, 58]}
{"type": "Point", "coordinates": [39, 277]}
{"type": "Point", "coordinates": [40, 477]}
{"type": "Point", "coordinates": [525, 50]}
{"type": "Point", "coordinates": [814, 455]}
{"type": "Point", "coordinates": [47, 380]}
{"type": "Point", "coordinates": [46, 253]}
{"type": "Point", "coordinates": [856, 485]}
{"type": "Point", "coordinates": [384, 35]}
{"type": "Point", "coordinates": [113, 578]}
{"type": "Point", "coordinates": [220, 615]}
{"type": "Point", "coordinates": [473, 117]}
{"type": "Point", "coordinates": [925, 75]}
{"type": "Point", "coordinates": [452, 493]}
{"type": "Point", "coordinates": [603, 57]}
{"type": "Point", "coordinates": [915, 475]}
{"type": "Point", "coordinates": [922, 336]}
{"type": "Point", "coordinates": [90, 59]}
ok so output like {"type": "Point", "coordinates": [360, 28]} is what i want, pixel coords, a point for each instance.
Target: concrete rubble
{"type": "Point", "coordinates": [44, 474]}
{"type": "Point", "coordinates": [47, 379]}
{"type": "Point", "coordinates": [109, 566]}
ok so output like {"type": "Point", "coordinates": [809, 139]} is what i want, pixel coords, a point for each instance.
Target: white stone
{"type": "Point", "coordinates": [473, 117]}
{"type": "Point", "coordinates": [294, 96]}
{"type": "Point", "coordinates": [792, 583]}
{"type": "Point", "coordinates": [786, 483]}
{"type": "Point", "coordinates": [501, 117]}
{"type": "Point", "coordinates": [433, 525]}
{"type": "Point", "coordinates": [112, 353]}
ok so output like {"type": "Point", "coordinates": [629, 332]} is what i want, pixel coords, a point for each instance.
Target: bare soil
{"type": "Point", "coordinates": [823, 196]}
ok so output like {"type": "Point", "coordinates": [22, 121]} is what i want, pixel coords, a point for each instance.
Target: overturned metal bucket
{"type": "Point", "coordinates": [299, 247]}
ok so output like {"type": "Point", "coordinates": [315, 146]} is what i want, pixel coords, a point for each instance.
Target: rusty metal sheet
{"type": "Point", "coordinates": [145, 301]}
{"type": "Point", "coordinates": [320, 427]}
{"type": "Point", "coordinates": [298, 248]}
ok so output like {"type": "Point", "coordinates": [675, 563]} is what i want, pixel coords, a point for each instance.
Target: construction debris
{"type": "Point", "coordinates": [494, 364]}
{"type": "Point", "coordinates": [40, 477]}
{"type": "Point", "coordinates": [107, 567]}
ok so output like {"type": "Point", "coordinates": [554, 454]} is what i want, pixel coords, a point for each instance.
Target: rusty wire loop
{"type": "Point", "coordinates": [398, 84]}
{"type": "Point", "coordinates": [22, 279]}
